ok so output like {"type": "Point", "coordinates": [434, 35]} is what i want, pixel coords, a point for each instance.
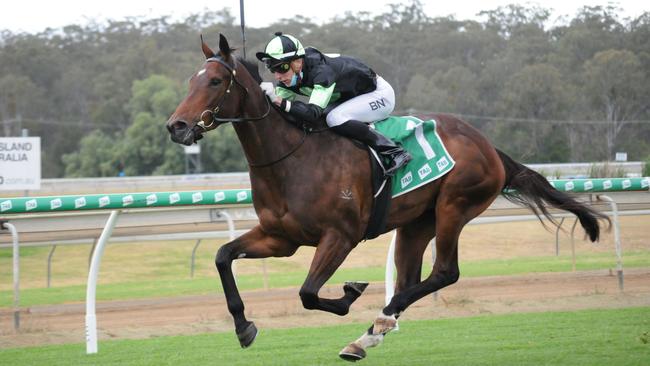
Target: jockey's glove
{"type": "Point", "coordinates": [269, 89]}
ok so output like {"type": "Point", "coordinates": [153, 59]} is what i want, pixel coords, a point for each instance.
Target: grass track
{"type": "Point", "coordinates": [591, 337]}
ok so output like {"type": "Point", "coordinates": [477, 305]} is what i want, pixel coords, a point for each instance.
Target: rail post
{"type": "Point", "coordinates": [91, 318]}
{"type": "Point", "coordinates": [16, 271]}
{"type": "Point", "coordinates": [617, 239]}
{"type": "Point", "coordinates": [49, 265]}
{"type": "Point", "coordinates": [193, 258]}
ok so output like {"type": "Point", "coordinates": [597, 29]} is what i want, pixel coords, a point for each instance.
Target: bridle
{"type": "Point", "coordinates": [213, 112]}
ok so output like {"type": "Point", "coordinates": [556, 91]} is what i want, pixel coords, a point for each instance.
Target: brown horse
{"type": "Point", "coordinates": [315, 189]}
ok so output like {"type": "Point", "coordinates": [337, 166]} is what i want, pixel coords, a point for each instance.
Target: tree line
{"type": "Point", "coordinates": [99, 94]}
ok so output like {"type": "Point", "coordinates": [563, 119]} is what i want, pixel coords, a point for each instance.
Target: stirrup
{"type": "Point", "coordinates": [398, 161]}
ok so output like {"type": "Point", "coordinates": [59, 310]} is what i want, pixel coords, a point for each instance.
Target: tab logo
{"type": "Point", "coordinates": [5, 206]}
{"type": "Point", "coordinates": [151, 199]}
{"type": "Point", "coordinates": [589, 185]}
{"type": "Point", "coordinates": [442, 163]}
{"type": "Point", "coordinates": [30, 205]}
{"type": "Point", "coordinates": [55, 203]}
{"type": "Point", "coordinates": [645, 183]}
{"type": "Point", "coordinates": [424, 171]}
{"type": "Point", "coordinates": [127, 200]}
{"type": "Point", "coordinates": [197, 197]}
{"type": "Point", "coordinates": [241, 196]}
{"type": "Point", "coordinates": [627, 184]}
{"type": "Point", "coordinates": [219, 196]}
{"type": "Point", "coordinates": [104, 201]}
{"type": "Point", "coordinates": [80, 202]}
{"type": "Point", "coordinates": [174, 198]}
{"type": "Point", "coordinates": [569, 186]}
{"type": "Point", "coordinates": [607, 184]}
{"type": "Point", "coordinates": [407, 179]}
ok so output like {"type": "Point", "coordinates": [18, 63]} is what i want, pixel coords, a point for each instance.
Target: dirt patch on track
{"type": "Point", "coordinates": [282, 308]}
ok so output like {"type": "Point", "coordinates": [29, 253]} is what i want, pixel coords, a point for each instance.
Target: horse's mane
{"type": "Point", "coordinates": [252, 69]}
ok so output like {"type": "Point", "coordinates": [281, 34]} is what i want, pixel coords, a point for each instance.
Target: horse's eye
{"type": "Point", "coordinates": [215, 82]}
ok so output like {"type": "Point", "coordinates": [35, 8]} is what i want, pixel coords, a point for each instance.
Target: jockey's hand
{"type": "Point", "coordinates": [269, 89]}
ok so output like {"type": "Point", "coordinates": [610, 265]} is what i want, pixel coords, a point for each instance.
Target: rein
{"type": "Point", "coordinates": [213, 112]}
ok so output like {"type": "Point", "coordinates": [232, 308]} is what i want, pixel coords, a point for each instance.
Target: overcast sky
{"type": "Point", "coordinates": [36, 15]}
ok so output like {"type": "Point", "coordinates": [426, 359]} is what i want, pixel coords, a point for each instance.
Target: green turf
{"type": "Point", "coordinates": [7, 253]}
{"type": "Point", "coordinates": [592, 337]}
{"type": "Point", "coordinates": [167, 284]}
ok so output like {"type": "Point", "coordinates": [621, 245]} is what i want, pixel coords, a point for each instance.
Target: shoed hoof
{"type": "Point", "coordinates": [384, 324]}
{"type": "Point", "coordinates": [352, 352]}
{"type": "Point", "coordinates": [247, 337]}
{"type": "Point", "coordinates": [354, 286]}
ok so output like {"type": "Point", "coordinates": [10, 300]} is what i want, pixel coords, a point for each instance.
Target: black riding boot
{"type": "Point", "coordinates": [397, 156]}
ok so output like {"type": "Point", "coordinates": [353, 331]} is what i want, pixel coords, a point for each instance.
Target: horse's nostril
{"type": "Point", "coordinates": [177, 125]}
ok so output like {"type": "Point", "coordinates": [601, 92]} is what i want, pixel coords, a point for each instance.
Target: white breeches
{"type": "Point", "coordinates": [369, 107]}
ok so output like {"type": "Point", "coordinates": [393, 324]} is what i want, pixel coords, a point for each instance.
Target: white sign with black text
{"type": "Point", "coordinates": [20, 163]}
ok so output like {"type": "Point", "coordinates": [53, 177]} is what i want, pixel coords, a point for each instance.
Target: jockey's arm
{"type": "Point", "coordinates": [313, 110]}
{"type": "Point", "coordinates": [285, 93]}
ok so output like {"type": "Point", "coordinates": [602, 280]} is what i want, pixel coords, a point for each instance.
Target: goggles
{"type": "Point", "coordinates": [280, 67]}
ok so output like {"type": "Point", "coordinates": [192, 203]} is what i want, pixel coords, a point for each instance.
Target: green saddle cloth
{"type": "Point", "coordinates": [430, 157]}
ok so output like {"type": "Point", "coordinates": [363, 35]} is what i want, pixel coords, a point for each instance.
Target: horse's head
{"type": "Point", "coordinates": [215, 96]}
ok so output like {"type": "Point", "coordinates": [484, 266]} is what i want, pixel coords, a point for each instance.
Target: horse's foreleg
{"type": "Point", "coordinates": [253, 244]}
{"type": "Point", "coordinates": [330, 253]}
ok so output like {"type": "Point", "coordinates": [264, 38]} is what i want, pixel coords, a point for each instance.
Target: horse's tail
{"type": "Point", "coordinates": [528, 188]}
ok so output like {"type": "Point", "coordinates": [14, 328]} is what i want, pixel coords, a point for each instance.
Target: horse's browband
{"type": "Point", "coordinates": [218, 59]}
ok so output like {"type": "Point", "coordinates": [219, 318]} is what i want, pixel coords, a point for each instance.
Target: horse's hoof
{"type": "Point", "coordinates": [352, 352]}
{"type": "Point", "coordinates": [356, 287]}
{"type": "Point", "coordinates": [247, 337]}
{"type": "Point", "coordinates": [384, 324]}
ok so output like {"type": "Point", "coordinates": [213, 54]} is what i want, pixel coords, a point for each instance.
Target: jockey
{"type": "Point", "coordinates": [364, 96]}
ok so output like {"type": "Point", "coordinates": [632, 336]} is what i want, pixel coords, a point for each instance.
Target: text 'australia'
{"type": "Point", "coordinates": [13, 157]}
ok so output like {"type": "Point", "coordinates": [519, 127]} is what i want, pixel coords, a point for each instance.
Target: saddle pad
{"type": "Point", "coordinates": [430, 157]}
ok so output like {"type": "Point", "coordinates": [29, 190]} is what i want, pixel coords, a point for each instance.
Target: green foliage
{"type": "Point", "coordinates": [140, 150]}
{"type": "Point", "coordinates": [95, 157]}
{"type": "Point", "coordinates": [646, 167]}
{"type": "Point", "coordinates": [535, 93]}
{"type": "Point", "coordinates": [157, 95]}
{"type": "Point", "coordinates": [221, 151]}
{"type": "Point", "coordinates": [144, 149]}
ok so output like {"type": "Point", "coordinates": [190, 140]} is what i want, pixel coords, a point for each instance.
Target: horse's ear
{"type": "Point", "coordinates": [223, 46]}
{"type": "Point", "coordinates": [207, 51]}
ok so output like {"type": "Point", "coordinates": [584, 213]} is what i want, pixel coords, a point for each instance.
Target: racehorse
{"type": "Point", "coordinates": [315, 189]}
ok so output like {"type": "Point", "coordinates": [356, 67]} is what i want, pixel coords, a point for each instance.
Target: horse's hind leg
{"type": "Point", "coordinates": [445, 269]}
{"type": "Point", "coordinates": [412, 241]}
{"type": "Point", "coordinates": [253, 244]}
